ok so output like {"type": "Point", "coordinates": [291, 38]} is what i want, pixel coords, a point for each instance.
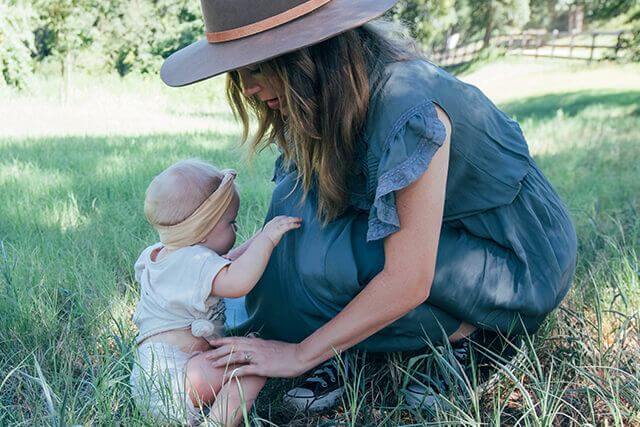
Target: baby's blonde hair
{"type": "Point", "coordinates": [179, 190]}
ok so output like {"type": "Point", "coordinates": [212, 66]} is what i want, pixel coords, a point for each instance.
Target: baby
{"type": "Point", "coordinates": [183, 279]}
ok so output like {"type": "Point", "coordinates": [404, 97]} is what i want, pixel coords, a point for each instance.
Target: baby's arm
{"type": "Point", "coordinates": [239, 277]}
{"type": "Point", "coordinates": [235, 253]}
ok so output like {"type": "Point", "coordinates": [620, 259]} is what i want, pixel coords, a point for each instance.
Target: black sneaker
{"type": "Point", "coordinates": [321, 390]}
{"type": "Point", "coordinates": [469, 362]}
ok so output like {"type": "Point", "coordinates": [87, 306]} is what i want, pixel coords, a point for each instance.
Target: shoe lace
{"type": "Point", "coordinates": [461, 353]}
{"type": "Point", "coordinates": [316, 376]}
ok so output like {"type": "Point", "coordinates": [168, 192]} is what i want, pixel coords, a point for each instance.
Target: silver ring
{"type": "Point", "coordinates": [247, 356]}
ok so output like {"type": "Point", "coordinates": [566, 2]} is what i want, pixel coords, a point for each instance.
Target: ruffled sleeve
{"type": "Point", "coordinates": [404, 157]}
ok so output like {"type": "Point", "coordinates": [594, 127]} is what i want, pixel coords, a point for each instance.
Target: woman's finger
{"type": "Point", "coordinates": [231, 341]}
{"type": "Point", "coordinates": [218, 342]}
{"type": "Point", "coordinates": [223, 351]}
{"type": "Point", "coordinates": [233, 359]}
{"type": "Point", "coordinates": [218, 352]}
{"type": "Point", "coordinates": [241, 371]}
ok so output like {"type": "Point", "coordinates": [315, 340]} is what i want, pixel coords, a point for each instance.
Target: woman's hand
{"type": "Point", "coordinates": [255, 356]}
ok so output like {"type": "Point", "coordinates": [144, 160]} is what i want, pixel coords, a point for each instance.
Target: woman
{"type": "Point", "coordinates": [425, 218]}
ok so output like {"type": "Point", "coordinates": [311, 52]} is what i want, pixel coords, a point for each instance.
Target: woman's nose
{"type": "Point", "coordinates": [252, 90]}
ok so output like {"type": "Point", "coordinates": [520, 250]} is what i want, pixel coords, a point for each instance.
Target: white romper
{"type": "Point", "coordinates": [175, 293]}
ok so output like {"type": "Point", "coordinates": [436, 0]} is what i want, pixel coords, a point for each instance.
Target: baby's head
{"type": "Point", "coordinates": [174, 196]}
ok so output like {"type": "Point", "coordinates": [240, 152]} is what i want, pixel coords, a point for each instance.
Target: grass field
{"type": "Point", "coordinates": [72, 181]}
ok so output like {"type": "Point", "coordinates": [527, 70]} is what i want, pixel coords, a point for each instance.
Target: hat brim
{"type": "Point", "coordinates": [202, 60]}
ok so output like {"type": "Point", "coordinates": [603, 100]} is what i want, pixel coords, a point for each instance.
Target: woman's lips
{"type": "Point", "coordinates": [273, 103]}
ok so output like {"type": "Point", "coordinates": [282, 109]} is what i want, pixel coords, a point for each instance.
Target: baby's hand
{"type": "Point", "coordinates": [279, 225]}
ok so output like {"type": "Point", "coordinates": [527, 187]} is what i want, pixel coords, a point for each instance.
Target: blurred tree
{"type": "Point", "coordinates": [16, 43]}
{"type": "Point", "coordinates": [632, 41]}
{"type": "Point", "coordinates": [604, 9]}
{"type": "Point", "coordinates": [431, 21]}
{"type": "Point", "coordinates": [65, 26]}
{"type": "Point", "coordinates": [138, 34]}
{"type": "Point", "coordinates": [491, 16]}
{"type": "Point", "coordinates": [545, 13]}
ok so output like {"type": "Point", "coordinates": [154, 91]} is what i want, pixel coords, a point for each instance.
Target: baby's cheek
{"type": "Point", "coordinates": [232, 238]}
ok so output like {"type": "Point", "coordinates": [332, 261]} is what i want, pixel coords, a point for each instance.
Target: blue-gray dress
{"type": "Point", "coordinates": [507, 248]}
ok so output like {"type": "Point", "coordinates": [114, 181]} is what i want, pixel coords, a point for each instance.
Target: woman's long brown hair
{"type": "Point", "coordinates": [326, 89]}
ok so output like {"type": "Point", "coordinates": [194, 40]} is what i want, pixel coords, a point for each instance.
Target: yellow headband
{"type": "Point", "coordinates": [195, 228]}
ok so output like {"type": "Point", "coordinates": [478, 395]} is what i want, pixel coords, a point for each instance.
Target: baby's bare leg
{"type": "Point", "coordinates": [205, 387]}
{"type": "Point", "coordinates": [235, 397]}
{"type": "Point", "coordinates": [203, 381]}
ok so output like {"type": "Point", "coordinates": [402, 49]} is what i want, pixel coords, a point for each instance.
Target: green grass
{"type": "Point", "coordinates": [71, 226]}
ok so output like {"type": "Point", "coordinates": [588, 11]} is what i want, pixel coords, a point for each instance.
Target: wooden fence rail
{"type": "Point", "coordinates": [589, 46]}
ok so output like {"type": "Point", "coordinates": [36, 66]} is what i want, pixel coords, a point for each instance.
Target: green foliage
{"type": "Point", "coordinates": [16, 44]}
{"type": "Point", "coordinates": [543, 13]}
{"type": "Point", "coordinates": [546, 13]}
{"type": "Point", "coordinates": [64, 26]}
{"type": "Point", "coordinates": [72, 225]}
{"type": "Point", "coordinates": [138, 34]}
{"type": "Point", "coordinates": [492, 16]}
{"type": "Point", "coordinates": [430, 20]}
{"type": "Point", "coordinates": [632, 41]}
{"type": "Point", "coordinates": [603, 9]}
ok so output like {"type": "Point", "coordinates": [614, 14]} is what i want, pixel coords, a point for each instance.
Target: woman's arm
{"type": "Point", "coordinates": [403, 284]}
{"type": "Point", "coordinates": [410, 260]}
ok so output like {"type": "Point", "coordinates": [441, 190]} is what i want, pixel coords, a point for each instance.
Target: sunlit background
{"type": "Point", "coordinates": [85, 123]}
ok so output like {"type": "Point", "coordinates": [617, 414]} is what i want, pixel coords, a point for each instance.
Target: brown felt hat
{"type": "Point", "coordinates": [246, 32]}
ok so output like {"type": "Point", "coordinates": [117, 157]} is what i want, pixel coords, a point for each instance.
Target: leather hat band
{"type": "Point", "coordinates": [266, 24]}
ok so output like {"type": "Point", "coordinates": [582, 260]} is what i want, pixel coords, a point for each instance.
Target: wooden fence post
{"type": "Point", "coordinates": [571, 45]}
{"type": "Point", "coordinates": [618, 44]}
{"type": "Point", "coordinates": [593, 45]}
{"type": "Point", "coordinates": [554, 37]}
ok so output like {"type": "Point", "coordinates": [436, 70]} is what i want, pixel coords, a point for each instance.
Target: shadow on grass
{"type": "Point", "coordinates": [71, 210]}
{"type": "Point", "coordinates": [107, 177]}
{"type": "Point", "coordinates": [571, 103]}
{"type": "Point", "coordinates": [101, 192]}
{"type": "Point", "coordinates": [106, 163]}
